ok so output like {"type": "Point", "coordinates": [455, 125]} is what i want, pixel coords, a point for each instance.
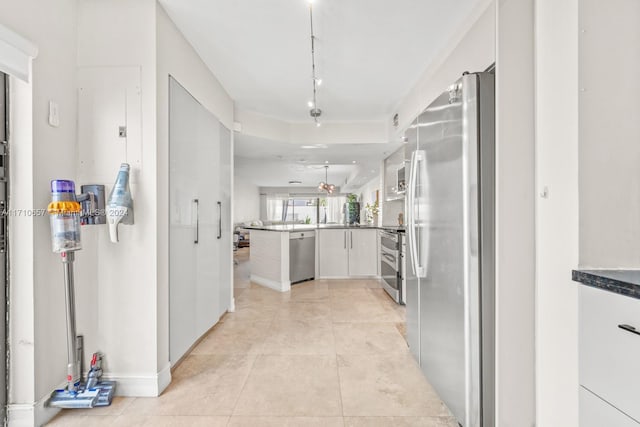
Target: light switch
{"type": "Point", "coordinates": [54, 114]}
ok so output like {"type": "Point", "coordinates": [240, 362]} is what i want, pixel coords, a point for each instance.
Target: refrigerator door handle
{"type": "Point", "coordinates": [411, 193]}
{"type": "Point", "coordinates": [423, 252]}
{"type": "Point", "coordinates": [418, 157]}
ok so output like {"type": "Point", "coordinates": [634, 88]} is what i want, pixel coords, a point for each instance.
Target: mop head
{"type": "Point", "coordinates": [100, 395]}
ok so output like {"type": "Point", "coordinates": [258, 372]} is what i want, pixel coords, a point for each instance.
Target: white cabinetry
{"type": "Point", "coordinates": [199, 263]}
{"type": "Point", "coordinates": [347, 253]}
{"type": "Point", "coordinates": [609, 355]}
{"type": "Point", "coordinates": [595, 412]}
{"type": "Point", "coordinates": [333, 255]}
{"type": "Point", "coordinates": [363, 252]}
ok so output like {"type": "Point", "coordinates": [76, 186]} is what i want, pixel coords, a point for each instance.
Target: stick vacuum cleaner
{"type": "Point", "coordinates": [66, 213]}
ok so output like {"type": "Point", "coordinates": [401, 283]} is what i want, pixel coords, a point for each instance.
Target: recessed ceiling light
{"type": "Point", "coordinates": [353, 161]}
{"type": "Point", "coordinates": [295, 182]}
{"type": "Point", "coordinates": [326, 161]}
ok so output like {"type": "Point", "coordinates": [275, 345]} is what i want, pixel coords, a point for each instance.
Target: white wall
{"type": "Point", "coordinates": [609, 129]}
{"type": "Point", "coordinates": [367, 194]}
{"type": "Point", "coordinates": [556, 28]}
{"type": "Point", "coordinates": [471, 48]}
{"type": "Point", "coordinates": [515, 245]}
{"type": "Point", "coordinates": [37, 337]}
{"type": "Point", "coordinates": [176, 57]}
{"type": "Point", "coordinates": [246, 200]}
{"type": "Point", "coordinates": [123, 276]}
{"type": "Point", "coordinates": [557, 214]}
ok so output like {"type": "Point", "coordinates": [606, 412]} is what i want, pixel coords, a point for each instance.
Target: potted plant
{"type": "Point", "coordinates": [352, 210]}
{"type": "Point", "coordinates": [371, 212]}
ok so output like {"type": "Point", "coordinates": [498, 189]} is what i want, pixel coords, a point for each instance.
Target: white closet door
{"type": "Point", "coordinates": [183, 190]}
{"type": "Point", "coordinates": [226, 242]}
{"type": "Point", "coordinates": [207, 163]}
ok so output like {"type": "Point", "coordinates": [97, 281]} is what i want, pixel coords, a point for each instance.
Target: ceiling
{"type": "Point", "coordinates": [369, 53]}
{"type": "Point", "coordinates": [273, 164]}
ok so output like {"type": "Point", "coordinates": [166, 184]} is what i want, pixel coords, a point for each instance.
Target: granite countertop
{"type": "Point", "coordinates": [623, 282]}
{"type": "Point", "coordinates": [309, 227]}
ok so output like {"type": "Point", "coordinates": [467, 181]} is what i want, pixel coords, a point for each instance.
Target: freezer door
{"type": "Point", "coordinates": [439, 212]}
{"type": "Point", "coordinates": [412, 297]}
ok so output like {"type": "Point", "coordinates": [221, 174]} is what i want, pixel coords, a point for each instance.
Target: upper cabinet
{"type": "Point", "coordinates": [395, 179]}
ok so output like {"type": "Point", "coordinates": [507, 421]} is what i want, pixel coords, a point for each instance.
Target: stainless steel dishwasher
{"type": "Point", "coordinates": [302, 256]}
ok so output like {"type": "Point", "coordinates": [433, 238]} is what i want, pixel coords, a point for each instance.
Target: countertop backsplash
{"type": "Point", "coordinates": [391, 210]}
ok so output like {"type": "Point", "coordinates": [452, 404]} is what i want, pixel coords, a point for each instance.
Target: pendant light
{"type": "Point", "coordinates": [324, 185]}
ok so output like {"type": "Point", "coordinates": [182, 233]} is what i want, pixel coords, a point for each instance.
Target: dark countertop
{"type": "Point", "coordinates": [310, 227]}
{"type": "Point", "coordinates": [623, 282]}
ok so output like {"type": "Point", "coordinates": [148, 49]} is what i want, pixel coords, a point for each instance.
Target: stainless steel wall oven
{"type": "Point", "coordinates": [390, 264]}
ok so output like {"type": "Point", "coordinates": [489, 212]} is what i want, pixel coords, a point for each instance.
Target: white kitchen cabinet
{"type": "Point", "coordinates": [363, 253]}
{"type": "Point", "coordinates": [609, 354]}
{"type": "Point", "coordinates": [595, 412]}
{"type": "Point", "coordinates": [347, 253]}
{"type": "Point", "coordinates": [199, 263]}
{"type": "Point", "coordinates": [333, 255]}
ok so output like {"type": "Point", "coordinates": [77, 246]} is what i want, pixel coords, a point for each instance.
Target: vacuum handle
{"type": "Point", "coordinates": [197, 238]}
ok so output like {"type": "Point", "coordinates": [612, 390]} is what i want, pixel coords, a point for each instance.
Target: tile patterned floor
{"type": "Point", "coordinates": [328, 353]}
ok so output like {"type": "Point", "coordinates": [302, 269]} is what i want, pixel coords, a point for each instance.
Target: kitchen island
{"type": "Point", "coordinates": [340, 252]}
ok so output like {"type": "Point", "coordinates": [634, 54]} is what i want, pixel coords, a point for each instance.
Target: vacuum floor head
{"type": "Point", "coordinates": [73, 400]}
{"type": "Point", "coordinates": [100, 395]}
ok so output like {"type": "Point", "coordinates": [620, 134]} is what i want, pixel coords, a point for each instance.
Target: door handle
{"type": "Point", "coordinates": [411, 211]}
{"type": "Point", "coordinates": [351, 239]}
{"type": "Point", "coordinates": [219, 220]}
{"type": "Point", "coordinates": [345, 239]}
{"type": "Point", "coordinates": [629, 328]}
{"type": "Point", "coordinates": [423, 253]}
{"type": "Point", "coordinates": [197, 238]}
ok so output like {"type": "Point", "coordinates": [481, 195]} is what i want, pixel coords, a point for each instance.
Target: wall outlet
{"type": "Point", "coordinates": [54, 114]}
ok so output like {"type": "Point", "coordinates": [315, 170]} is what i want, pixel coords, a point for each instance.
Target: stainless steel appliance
{"type": "Point", "coordinates": [450, 230]}
{"type": "Point", "coordinates": [302, 256]}
{"type": "Point", "coordinates": [390, 264]}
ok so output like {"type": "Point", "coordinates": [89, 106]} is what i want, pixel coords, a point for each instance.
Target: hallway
{"type": "Point", "coordinates": [329, 353]}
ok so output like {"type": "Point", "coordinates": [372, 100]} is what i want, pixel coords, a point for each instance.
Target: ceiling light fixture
{"type": "Point", "coordinates": [324, 186]}
{"type": "Point", "coordinates": [315, 112]}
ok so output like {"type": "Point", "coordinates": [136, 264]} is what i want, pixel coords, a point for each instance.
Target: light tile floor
{"type": "Point", "coordinates": [328, 353]}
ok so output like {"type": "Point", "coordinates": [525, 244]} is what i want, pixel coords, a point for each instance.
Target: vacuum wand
{"type": "Point", "coordinates": [73, 371]}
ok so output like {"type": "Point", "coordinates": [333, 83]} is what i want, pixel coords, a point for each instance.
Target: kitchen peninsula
{"type": "Point", "coordinates": [340, 252]}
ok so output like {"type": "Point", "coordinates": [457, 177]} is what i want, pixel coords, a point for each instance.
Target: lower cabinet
{"type": "Point", "coordinates": [347, 253]}
{"type": "Point", "coordinates": [595, 412]}
{"type": "Point", "coordinates": [609, 354]}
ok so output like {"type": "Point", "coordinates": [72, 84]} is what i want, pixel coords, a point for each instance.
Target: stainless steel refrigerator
{"type": "Point", "coordinates": [450, 229]}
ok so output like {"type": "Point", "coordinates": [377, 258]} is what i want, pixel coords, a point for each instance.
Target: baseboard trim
{"type": "Point", "coordinates": [164, 378]}
{"type": "Point", "coordinates": [140, 385]}
{"type": "Point", "coordinates": [31, 414]}
{"type": "Point", "coordinates": [284, 286]}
